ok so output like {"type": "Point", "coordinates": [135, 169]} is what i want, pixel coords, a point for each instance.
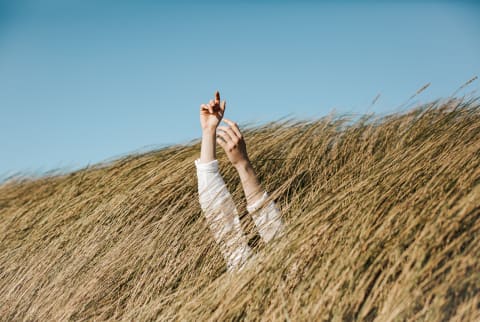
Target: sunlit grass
{"type": "Point", "coordinates": [382, 216]}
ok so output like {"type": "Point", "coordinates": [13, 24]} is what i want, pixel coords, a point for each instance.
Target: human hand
{"type": "Point", "coordinates": [231, 140]}
{"type": "Point", "coordinates": [211, 114]}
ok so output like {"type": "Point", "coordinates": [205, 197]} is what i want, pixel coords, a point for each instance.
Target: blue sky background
{"type": "Point", "coordinates": [85, 81]}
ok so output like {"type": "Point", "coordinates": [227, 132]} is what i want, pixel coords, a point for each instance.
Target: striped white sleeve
{"type": "Point", "coordinates": [221, 214]}
{"type": "Point", "coordinates": [266, 217]}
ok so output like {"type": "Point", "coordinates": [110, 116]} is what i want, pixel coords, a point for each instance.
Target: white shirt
{"type": "Point", "coordinates": [222, 215]}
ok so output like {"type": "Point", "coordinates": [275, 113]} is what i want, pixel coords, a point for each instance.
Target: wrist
{"type": "Point", "coordinates": [244, 167]}
{"type": "Point", "coordinates": [209, 130]}
{"type": "Point", "coordinates": [207, 150]}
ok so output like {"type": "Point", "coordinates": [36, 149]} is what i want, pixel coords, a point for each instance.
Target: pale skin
{"type": "Point", "coordinates": [230, 138]}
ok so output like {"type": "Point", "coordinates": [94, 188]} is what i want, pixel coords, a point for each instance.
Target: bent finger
{"type": "Point", "coordinates": [234, 127]}
{"type": "Point", "coordinates": [225, 136]}
{"type": "Point", "coordinates": [211, 105]}
{"type": "Point", "coordinates": [222, 143]}
{"type": "Point", "coordinates": [230, 132]}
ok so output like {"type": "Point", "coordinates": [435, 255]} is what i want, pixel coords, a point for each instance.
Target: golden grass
{"type": "Point", "coordinates": [382, 216]}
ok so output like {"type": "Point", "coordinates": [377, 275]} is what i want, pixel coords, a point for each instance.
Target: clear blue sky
{"type": "Point", "coordinates": [85, 81]}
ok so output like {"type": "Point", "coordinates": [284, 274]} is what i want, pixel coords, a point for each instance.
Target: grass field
{"type": "Point", "coordinates": [382, 217]}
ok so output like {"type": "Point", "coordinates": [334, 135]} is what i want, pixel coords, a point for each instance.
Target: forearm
{"type": "Point", "coordinates": [265, 214]}
{"type": "Point", "coordinates": [221, 214]}
{"type": "Point", "coordinates": [250, 183]}
{"type": "Point", "coordinates": [207, 150]}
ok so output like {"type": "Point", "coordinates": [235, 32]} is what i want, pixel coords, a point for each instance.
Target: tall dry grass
{"type": "Point", "coordinates": [382, 219]}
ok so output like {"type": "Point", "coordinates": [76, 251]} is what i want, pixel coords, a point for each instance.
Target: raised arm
{"type": "Point", "coordinates": [232, 141]}
{"type": "Point", "coordinates": [215, 200]}
{"type": "Point", "coordinates": [265, 214]}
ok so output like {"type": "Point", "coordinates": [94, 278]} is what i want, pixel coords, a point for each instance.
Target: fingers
{"type": "Point", "coordinates": [222, 143]}
{"type": "Point", "coordinates": [211, 106]}
{"type": "Point", "coordinates": [227, 130]}
{"type": "Point", "coordinates": [227, 140]}
{"type": "Point", "coordinates": [214, 105]}
{"type": "Point", "coordinates": [234, 127]}
{"type": "Point", "coordinates": [206, 108]}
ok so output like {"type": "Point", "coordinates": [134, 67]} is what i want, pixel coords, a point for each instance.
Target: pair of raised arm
{"type": "Point", "coordinates": [215, 200]}
{"type": "Point", "coordinates": [231, 140]}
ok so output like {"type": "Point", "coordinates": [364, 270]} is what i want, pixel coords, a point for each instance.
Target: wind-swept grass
{"type": "Point", "coordinates": [382, 216]}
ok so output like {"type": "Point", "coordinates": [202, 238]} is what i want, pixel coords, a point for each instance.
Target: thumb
{"type": "Point", "coordinates": [223, 106]}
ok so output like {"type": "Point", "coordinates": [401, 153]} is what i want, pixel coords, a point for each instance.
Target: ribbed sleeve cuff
{"type": "Point", "coordinates": [211, 166]}
{"type": "Point", "coordinates": [257, 204]}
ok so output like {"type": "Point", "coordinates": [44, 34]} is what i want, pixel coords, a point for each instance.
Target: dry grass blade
{"type": "Point", "coordinates": [382, 215]}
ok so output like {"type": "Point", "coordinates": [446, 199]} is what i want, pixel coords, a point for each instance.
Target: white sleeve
{"type": "Point", "coordinates": [221, 214]}
{"type": "Point", "coordinates": [267, 218]}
